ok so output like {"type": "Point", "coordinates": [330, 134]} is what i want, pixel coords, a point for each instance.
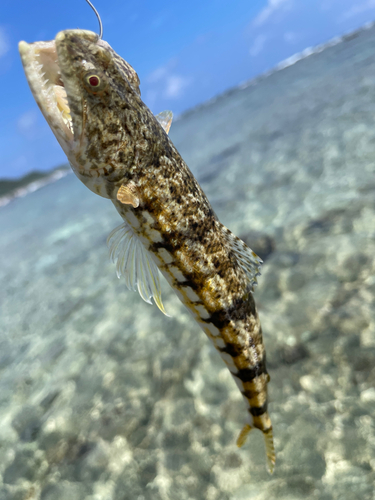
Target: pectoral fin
{"type": "Point", "coordinates": [135, 264]}
{"type": "Point", "coordinates": [127, 194]}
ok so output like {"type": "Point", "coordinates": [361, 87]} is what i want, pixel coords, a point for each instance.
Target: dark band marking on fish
{"type": "Point", "coordinates": [257, 411]}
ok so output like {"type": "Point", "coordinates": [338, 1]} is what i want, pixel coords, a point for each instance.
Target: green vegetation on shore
{"type": "Point", "coordinates": [7, 186]}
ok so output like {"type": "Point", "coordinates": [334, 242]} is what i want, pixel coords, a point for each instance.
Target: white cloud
{"type": "Point", "coordinates": [175, 85]}
{"type": "Point", "coordinates": [157, 75]}
{"type": "Point", "coordinates": [357, 9]}
{"type": "Point", "coordinates": [266, 13]}
{"type": "Point", "coordinates": [4, 44]}
{"type": "Point", "coordinates": [166, 82]}
{"type": "Point", "coordinates": [27, 121]}
{"type": "Point", "coordinates": [290, 37]}
{"type": "Point", "coordinates": [258, 45]}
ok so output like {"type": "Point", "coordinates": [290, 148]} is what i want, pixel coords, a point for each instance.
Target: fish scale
{"type": "Point", "coordinates": [121, 151]}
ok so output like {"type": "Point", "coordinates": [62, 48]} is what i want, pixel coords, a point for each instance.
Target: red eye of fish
{"type": "Point", "coordinates": [94, 81]}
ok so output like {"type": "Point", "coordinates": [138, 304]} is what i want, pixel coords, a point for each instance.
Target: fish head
{"type": "Point", "coordinates": [89, 96]}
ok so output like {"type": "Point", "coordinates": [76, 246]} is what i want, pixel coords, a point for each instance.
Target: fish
{"type": "Point", "coordinates": [91, 99]}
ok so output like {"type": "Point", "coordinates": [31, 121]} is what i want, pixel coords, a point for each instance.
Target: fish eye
{"type": "Point", "coordinates": [93, 82]}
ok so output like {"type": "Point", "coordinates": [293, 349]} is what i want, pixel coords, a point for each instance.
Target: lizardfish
{"type": "Point", "coordinates": [90, 98]}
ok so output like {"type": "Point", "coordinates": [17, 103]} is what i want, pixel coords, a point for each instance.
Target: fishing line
{"type": "Point", "coordinates": [100, 21]}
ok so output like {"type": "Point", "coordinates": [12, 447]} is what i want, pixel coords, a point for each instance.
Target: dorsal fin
{"type": "Point", "coordinates": [248, 260]}
{"type": "Point", "coordinates": [135, 264]}
{"type": "Point", "coordinates": [165, 119]}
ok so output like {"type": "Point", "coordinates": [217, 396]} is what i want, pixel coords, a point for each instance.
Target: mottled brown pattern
{"type": "Point", "coordinates": [119, 145]}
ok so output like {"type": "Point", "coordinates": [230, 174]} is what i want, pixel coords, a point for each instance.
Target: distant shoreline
{"type": "Point", "coordinates": [289, 61]}
{"type": "Point", "coordinates": [16, 188]}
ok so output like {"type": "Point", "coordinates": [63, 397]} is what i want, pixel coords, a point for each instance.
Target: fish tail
{"type": "Point", "coordinates": [243, 435]}
{"type": "Point", "coordinates": [268, 441]}
{"type": "Point", "coordinates": [270, 450]}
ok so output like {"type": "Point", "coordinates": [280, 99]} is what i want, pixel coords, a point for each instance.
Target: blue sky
{"type": "Point", "coordinates": [184, 53]}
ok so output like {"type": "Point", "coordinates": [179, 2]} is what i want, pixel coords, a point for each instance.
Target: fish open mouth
{"type": "Point", "coordinates": [42, 70]}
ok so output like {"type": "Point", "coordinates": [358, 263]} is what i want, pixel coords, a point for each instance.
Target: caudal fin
{"type": "Point", "coordinates": [270, 450]}
{"type": "Point", "coordinates": [268, 440]}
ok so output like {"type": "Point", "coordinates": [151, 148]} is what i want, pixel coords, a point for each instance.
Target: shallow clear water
{"type": "Point", "coordinates": [102, 397]}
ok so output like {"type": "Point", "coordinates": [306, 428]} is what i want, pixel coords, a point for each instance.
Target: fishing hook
{"type": "Point", "coordinates": [100, 21]}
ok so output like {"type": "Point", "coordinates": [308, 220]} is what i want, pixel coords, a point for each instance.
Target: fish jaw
{"type": "Point", "coordinates": [40, 64]}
